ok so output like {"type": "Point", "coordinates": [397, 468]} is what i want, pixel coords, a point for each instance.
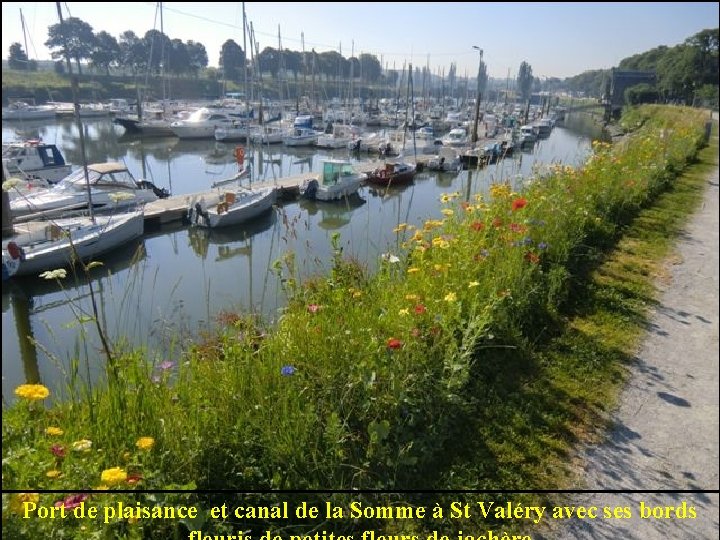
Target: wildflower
{"type": "Point", "coordinates": [477, 225]}
{"type": "Point", "coordinates": [445, 198]}
{"type": "Point", "coordinates": [134, 478]}
{"type": "Point", "coordinates": [288, 370]}
{"type": "Point", "coordinates": [59, 273]}
{"type": "Point", "coordinates": [473, 284]}
{"type": "Point", "coordinates": [113, 476]}
{"type": "Point", "coordinates": [411, 297]}
{"type": "Point", "coordinates": [33, 392]}
{"type": "Point", "coordinates": [450, 297]}
{"type": "Point", "coordinates": [497, 222]}
{"type": "Point", "coordinates": [393, 343]}
{"type": "Point", "coordinates": [420, 309]}
{"type": "Point", "coordinates": [83, 445]}
{"type": "Point", "coordinates": [357, 294]}
{"type": "Point", "coordinates": [447, 212]}
{"type": "Point", "coordinates": [532, 257]}
{"type": "Point", "coordinates": [520, 202]}
{"type": "Point", "coordinates": [400, 227]}
{"type": "Point", "coordinates": [53, 473]}
{"type": "Point", "coordinates": [415, 332]}
{"type": "Point", "coordinates": [145, 443]}
{"type": "Point", "coordinates": [17, 502]}
{"type": "Point", "coordinates": [542, 245]}
{"type": "Point", "coordinates": [58, 450]}
{"type": "Point", "coordinates": [389, 257]}
{"type": "Point", "coordinates": [313, 308]}
{"type": "Point", "coordinates": [527, 241]}
{"type": "Point", "coordinates": [72, 501]}
{"type": "Point", "coordinates": [412, 270]}
{"type": "Point", "coordinates": [404, 311]}
{"type": "Point", "coordinates": [53, 431]}
{"type": "Point", "coordinates": [167, 364]}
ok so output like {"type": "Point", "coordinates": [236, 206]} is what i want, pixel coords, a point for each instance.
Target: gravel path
{"type": "Point", "coordinates": [665, 434]}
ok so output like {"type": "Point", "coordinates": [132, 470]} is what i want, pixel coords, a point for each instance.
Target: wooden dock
{"type": "Point", "coordinates": [175, 208]}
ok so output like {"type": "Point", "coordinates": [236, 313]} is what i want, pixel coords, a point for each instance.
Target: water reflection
{"type": "Point", "coordinates": [229, 241]}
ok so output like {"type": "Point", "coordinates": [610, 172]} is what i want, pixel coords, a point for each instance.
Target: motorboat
{"type": "Point", "coordinates": [455, 137]}
{"type": "Point", "coordinates": [112, 186]}
{"type": "Point", "coordinates": [338, 180]}
{"type": "Point", "coordinates": [392, 174]}
{"type": "Point", "coordinates": [235, 207]}
{"type": "Point", "coordinates": [34, 158]}
{"type": "Point", "coordinates": [202, 123]}
{"type": "Point", "coordinates": [447, 159]}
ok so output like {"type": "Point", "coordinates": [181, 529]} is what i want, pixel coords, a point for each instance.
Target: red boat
{"type": "Point", "coordinates": [393, 174]}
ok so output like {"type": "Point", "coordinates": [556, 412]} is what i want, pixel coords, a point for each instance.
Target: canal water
{"type": "Point", "coordinates": [167, 288]}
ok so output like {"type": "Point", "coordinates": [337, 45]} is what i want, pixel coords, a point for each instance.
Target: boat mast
{"type": "Point", "coordinates": [74, 86]}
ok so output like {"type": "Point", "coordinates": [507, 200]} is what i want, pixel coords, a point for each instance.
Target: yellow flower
{"type": "Point", "coordinates": [412, 270]}
{"type": "Point", "coordinates": [16, 503]}
{"type": "Point", "coordinates": [400, 227]}
{"type": "Point", "coordinates": [53, 431]}
{"type": "Point", "coordinates": [450, 297]}
{"type": "Point", "coordinates": [145, 443]}
{"type": "Point", "coordinates": [411, 297]}
{"type": "Point", "coordinates": [54, 473]}
{"type": "Point", "coordinates": [101, 487]}
{"type": "Point", "coordinates": [444, 198]}
{"type": "Point", "coordinates": [32, 392]}
{"type": "Point", "coordinates": [113, 476]}
{"type": "Point", "coordinates": [447, 211]}
{"type": "Point", "coordinates": [473, 284]}
{"type": "Point", "coordinates": [83, 445]}
{"type": "Point", "coordinates": [356, 294]}
{"type": "Point", "coordinates": [404, 311]}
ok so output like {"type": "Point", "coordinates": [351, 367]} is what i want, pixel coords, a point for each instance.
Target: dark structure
{"type": "Point", "coordinates": [621, 80]}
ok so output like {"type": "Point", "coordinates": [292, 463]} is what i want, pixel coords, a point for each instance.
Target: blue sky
{"type": "Point", "coordinates": [557, 39]}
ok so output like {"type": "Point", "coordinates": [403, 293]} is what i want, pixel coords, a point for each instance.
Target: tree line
{"type": "Point", "coordinates": [686, 73]}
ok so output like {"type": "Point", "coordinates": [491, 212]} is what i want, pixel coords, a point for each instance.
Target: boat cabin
{"type": "Point", "coordinates": [336, 170]}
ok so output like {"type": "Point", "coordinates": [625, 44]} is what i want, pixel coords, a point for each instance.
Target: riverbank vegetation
{"type": "Point", "coordinates": [478, 355]}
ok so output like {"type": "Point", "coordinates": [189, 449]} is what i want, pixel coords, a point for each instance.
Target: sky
{"type": "Point", "coordinates": [556, 39]}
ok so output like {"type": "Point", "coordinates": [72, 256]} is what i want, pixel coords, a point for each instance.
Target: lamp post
{"type": "Point", "coordinates": [479, 96]}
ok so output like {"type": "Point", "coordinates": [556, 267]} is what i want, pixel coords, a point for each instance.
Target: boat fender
{"type": "Point", "coordinates": [15, 251]}
{"type": "Point", "coordinates": [311, 190]}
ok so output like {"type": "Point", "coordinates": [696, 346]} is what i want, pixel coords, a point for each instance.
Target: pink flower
{"type": "Point", "coordinates": [313, 308]}
{"type": "Point", "coordinates": [58, 450]}
{"type": "Point", "coordinates": [72, 501]}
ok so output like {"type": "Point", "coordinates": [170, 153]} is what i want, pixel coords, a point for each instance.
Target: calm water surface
{"type": "Point", "coordinates": [171, 284]}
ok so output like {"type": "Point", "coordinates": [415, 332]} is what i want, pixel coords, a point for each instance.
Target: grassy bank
{"type": "Point", "coordinates": [476, 358]}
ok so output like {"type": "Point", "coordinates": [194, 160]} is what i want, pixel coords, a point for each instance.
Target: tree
{"type": "Point", "coordinates": [17, 59]}
{"type": "Point", "coordinates": [232, 60]}
{"type": "Point", "coordinates": [79, 37]}
{"type": "Point", "coordinates": [106, 52]}
{"type": "Point", "coordinates": [197, 56]}
{"type": "Point", "coordinates": [525, 80]}
{"type": "Point", "coordinates": [640, 93]}
{"type": "Point", "coordinates": [133, 53]}
{"type": "Point", "coordinates": [371, 68]}
{"type": "Point", "coordinates": [178, 58]}
{"type": "Point", "coordinates": [158, 46]}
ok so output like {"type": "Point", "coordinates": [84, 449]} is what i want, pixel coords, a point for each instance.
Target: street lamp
{"type": "Point", "coordinates": [479, 96]}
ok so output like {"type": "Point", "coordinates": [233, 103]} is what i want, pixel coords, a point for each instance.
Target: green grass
{"type": "Point", "coordinates": [477, 357]}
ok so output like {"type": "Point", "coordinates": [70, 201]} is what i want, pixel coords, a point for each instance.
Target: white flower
{"type": "Point", "coordinates": [58, 273]}
{"type": "Point", "coordinates": [389, 257]}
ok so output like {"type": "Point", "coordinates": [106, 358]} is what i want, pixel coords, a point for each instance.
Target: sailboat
{"type": "Point", "coordinates": [47, 246]}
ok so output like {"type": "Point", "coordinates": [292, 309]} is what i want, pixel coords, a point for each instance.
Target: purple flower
{"type": "Point", "coordinates": [527, 241]}
{"type": "Point", "coordinates": [542, 245]}
{"type": "Point", "coordinates": [167, 364]}
{"type": "Point", "coordinates": [288, 370]}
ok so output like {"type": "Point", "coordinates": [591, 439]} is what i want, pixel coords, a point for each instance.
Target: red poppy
{"type": "Point", "coordinates": [133, 479]}
{"type": "Point", "coordinates": [519, 203]}
{"type": "Point", "coordinates": [477, 225]}
{"type": "Point", "coordinates": [393, 343]}
{"type": "Point", "coordinates": [420, 309]}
